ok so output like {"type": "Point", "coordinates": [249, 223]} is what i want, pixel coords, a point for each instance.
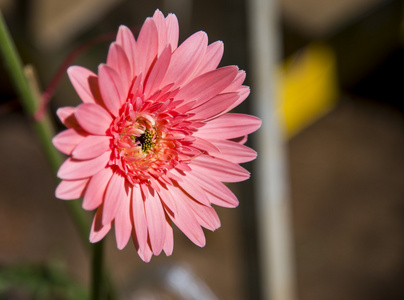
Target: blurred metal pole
{"type": "Point", "coordinates": [274, 224]}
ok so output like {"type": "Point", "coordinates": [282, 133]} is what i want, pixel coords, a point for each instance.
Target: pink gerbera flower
{"type": "Point", "coordinates": [153, 142]}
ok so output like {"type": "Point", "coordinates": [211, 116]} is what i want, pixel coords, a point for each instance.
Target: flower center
{"type": "Point", "coordinates": [145, 140]}
{"type": "Point", "coordinates": [136, 140]}
{"type": "Point", "coordinates": [143, 146]}
{"type": "Point", "coordinates": [150, 138]}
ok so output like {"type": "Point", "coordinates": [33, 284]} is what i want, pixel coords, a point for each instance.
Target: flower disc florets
{"type": "Point", "coordinates": [147, 139]}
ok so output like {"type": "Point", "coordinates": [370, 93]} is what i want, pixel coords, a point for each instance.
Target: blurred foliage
{"type": "Point", "coordinates": [39, 282]}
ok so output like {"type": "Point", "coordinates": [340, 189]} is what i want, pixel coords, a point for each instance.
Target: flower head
{"type": "Point", "coordinates": [153, 140]}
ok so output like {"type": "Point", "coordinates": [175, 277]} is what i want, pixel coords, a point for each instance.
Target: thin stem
{"type": "Point", "coordinates": [13, 63]}
{"type": "Point", "coordinates": [97, 272]}
{"type": "Point", "coordinates": [44, 127]}
{"type": "Point", "coordinates": [28, 93]}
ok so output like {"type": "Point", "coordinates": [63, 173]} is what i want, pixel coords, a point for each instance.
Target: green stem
{"type": "Point", "coordinates": [97, 271]}
{"type": "Point", "coordinates": [29, 95]}
{"type": "Point", "coordinates": [13, 63]}
{"type": "Point", "coordinates": [30, 98]}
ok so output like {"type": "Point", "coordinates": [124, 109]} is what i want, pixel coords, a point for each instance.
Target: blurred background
{"type": "Point", "coordinates": [341, 102]}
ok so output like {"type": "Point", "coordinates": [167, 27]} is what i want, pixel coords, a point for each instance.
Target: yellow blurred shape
{"type": "Point", "coordinates": [308, 87]}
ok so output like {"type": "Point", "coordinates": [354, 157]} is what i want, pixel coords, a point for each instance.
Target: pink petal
{"type": "Point", "coordinates": [95, 192]}
{"type": "Point", "coordinates": [147, 46]}
{"type": "Point", "coordinates": [161, 26]}
{"type": "Point", "coordinates": [237, 82]}
{"type": "Point", "coordinates": [113, 90]}
{"type": "Point", "coordinates": [214, 106]}
{"type": "Point", "coordinates": [172, 31]}
{"type": "Point", "coordinates": [82, 80]}
{"type": "Point", "coordinates": [155, 222]}
{"type": "Point", "coordinates": [137, 87]}
{"type": "Point", "coordinates": [217, 192]}
{"type": "Point", "coordinates": [118, 61]}
{"type": "Point", "coordinates": [228, 202]}
{"type": "Point", "coordinates": [113, 196]}
{"type": "Point", "coordinates": [146, 253]}
{"type": "Point", "coordinates": [204, 145]}
{"type": "Point", "coordinates": [158, 72]}
{"type": "Point", "coordinates": [234, 152]}
{"type": "Point", "coordinates": [207, 85]}
{"type": "Point", "coordinates": [205, 215]}
{"type": "Point", "coordinates": [169, 241]}
{"type": "Point", "coordinates": [219, 169]}
{"type": "Point", "coordinates": [127, 41]}
{"type": "Point", "coordinates": [67, 117]}
{"type": "Point", "coordinates": [185, 219]}
{"type": "Point", "coordinates": [77, 169]}
{"type": "Point", "coordinates": [98, 230]}
{"type": "Point", "coordinates": [182, 167]}
{"type": "Point", "coordinates": [193, 190]}
{"type": "Point", "coordinates": [168, 200]}
{"type": "Point", "coordinates": [140, 223]}
{"type": "Point", "coordinates": [212, 58]}
{"type": "Point", "coordinates": [67, 140]}
{"type": "Point", "coordinates": [243, 92]}
{"type": "Point", "coordinates": [71, 189]}
{"type": "Point", "coordinates": [185, 59]}
{"type": "Point", "coordinates": [92, 146]}
{"type": "Point", "coordinates": [229, 126]}
{"type": "Point", "coordinates": [123, 224]}
{"type": "Point", "coordinates": [93, 118]}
